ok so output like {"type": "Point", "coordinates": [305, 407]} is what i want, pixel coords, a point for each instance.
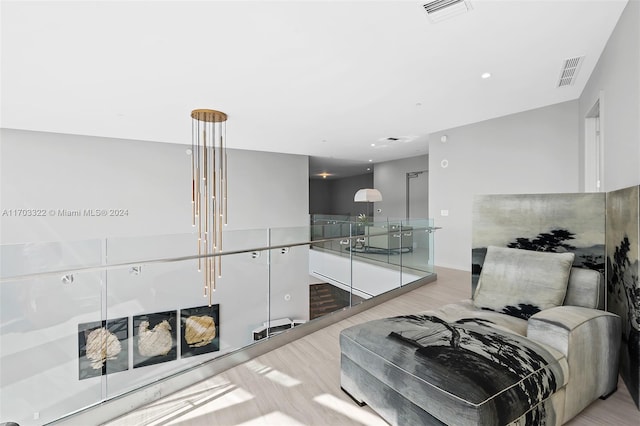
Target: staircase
{"type": "Point", "coordinates": [325, 298]}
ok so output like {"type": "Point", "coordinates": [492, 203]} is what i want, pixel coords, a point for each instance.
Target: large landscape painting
{"type": "Point", "coordinates": [623, 288]}
{"type": "Point", "coordinates": [542, 222]}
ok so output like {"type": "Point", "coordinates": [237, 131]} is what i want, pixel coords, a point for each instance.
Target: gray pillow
{"type": "Point", "coordinates": [522, 282]}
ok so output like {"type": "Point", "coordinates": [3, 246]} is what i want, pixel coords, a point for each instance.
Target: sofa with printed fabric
{"type": "Point", "coordinates": [532, 347]}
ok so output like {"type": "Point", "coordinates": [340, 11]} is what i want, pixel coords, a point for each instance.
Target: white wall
{"type": "Point", "coordinates": [540, 151]}
{"type": "Point", "coordinates": [531, 152]}
{"type": "Point", "coordinates": [152, 182]}
{"type": "Point", "coordinates": [267, 190]}
{"type": "Point", "coordinates": [390, 179]}
{"type": "Point", "coordinates": [616, 76]}
{"type": "Point", "coordinates": [53, 171]}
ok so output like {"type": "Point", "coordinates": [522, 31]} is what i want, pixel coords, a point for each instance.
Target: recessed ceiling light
{"type": "Point", "coordinates": [368, 169]}
{"type": "Point", "coordinates": [370, 160]}
{"type": "Point", "coordinates": [373, 144]}
{"type": "Point", "coordinates": [486, 75]}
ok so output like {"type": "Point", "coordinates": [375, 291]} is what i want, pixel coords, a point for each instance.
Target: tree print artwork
{"type": "Point", "coordinates": [541, 222]}
{"type": "Point", "coordinates": [624, 299]}
{"type": "Point", "coordinates": [553, 241]}
{"type": "Point", "coordinates": [520, 369]}
{"type": "Point", "coordinates": [623, 287]}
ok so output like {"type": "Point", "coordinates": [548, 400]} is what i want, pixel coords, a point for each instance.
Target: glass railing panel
{"type": "Point", "coordinates": [134, 249]}
{"type": "Point", "coordinates": [373, 249]}
{"type": "Point", "coordinates": [289, 235]}
{"type": "Point", "coordinates": [173, 324]}
{"type": "Point", "coordinates": [50, 361]}
{"type": "Point", "coordinates": [326, 227]}
{"type": "Point", "coordinates": [47, 320]}
{"type": "Point", "coordinates": [328, 236]}
{"type": "Point", "coordinates": [289, 287]}
{"type": "Point", "coordinates": [154, 247]}
{"type": "Point", "coordinates": [431, 246]}
{"type": "Point", "coordinates": [288, 278]}
{"type": "Point", "coordinates": [386, 254]}
{"type": "Point", "coordinates": [398, 244]}
{"type": "Point", "coordinates": [323, 219]}
{"type": "Point", "coordinates": [417, 259]}
{"type": "Point", "coordinates": [244, 239]}
{"type": "Point", "coordinates": [242, 295]}
{"type": "Point", "coordinates": [41, 257]}
{"type": "Point", "coordinates": [330, 271]}
{"type": "Point", "coordinates": [373, 242]}
{"type": "Point", "coordinates": [330, 288]}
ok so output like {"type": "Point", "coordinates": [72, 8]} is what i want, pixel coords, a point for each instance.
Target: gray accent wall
{"type": "Point", "coordinates": [530, 152]}
{"type": "Point", "coordinates": [335, 196]}
{"type": "Point", "coordinates": [320, 196]}
{"type": "Point", "coordinates": [615, 78]}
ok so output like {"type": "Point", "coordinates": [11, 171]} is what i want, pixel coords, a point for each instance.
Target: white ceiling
{"type": "Point", "coordinates": [321, 78]}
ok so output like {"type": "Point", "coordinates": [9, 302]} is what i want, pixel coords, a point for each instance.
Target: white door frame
{"type": "Point", "coordinates": [594, 147]}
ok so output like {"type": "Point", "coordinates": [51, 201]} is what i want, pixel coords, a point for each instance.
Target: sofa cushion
{"type": "Point", "coordinates": [522, 282]}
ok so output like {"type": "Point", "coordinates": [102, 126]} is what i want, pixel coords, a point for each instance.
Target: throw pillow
{"type": "Point", "coordinates": [522, 282]}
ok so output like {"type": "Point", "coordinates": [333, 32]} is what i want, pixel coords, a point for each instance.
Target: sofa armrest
{"type": "Point", "coordinates": [590, 340]}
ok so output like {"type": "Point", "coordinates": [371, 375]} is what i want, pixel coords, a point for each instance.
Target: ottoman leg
{"type": "Point", "coordinates": [357, 401]}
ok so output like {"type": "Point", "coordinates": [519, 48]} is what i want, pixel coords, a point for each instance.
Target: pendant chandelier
{"type": "Point", "coordinates": [209, 190]}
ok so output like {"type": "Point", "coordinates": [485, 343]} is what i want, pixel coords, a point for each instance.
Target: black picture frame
{"type": "Point", "coordinates": [201, 342]}
{"type": "Point", "coordinates": [91, 366]}
{"type": "Point", "coordinates": [154, 338]}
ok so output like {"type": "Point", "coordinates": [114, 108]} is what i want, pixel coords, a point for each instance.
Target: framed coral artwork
{"type": "Point", "coordinates": [154, 338]}
{"type": "Point", "coordinates": [103, 347]}
{"type": "Point", "coordinates": [200, 329]}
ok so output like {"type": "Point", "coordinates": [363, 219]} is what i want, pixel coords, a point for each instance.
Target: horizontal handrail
{"type": "Point", "coordinates": [97, 268]}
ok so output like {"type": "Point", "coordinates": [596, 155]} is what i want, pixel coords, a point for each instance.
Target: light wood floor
{"type": "Point", "coordinates": [299, 383]}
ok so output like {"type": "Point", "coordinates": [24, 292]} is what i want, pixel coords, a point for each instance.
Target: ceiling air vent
{"type": "Point", "coordinates": [439, 10]}
{"type": "Point", "coordinates": [570, 70]}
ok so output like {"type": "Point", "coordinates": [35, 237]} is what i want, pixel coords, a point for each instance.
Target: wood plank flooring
{"type": "Point", "coordinates": [299, 383]}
